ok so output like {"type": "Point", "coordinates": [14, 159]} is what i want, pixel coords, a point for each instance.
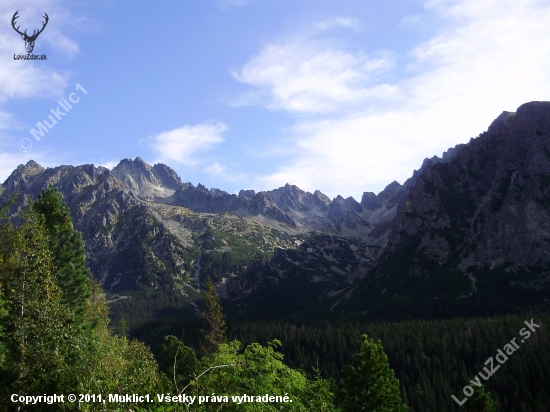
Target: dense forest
{"type": "Point", "coordinates": [56, 337]}
{"type": "Point", "coordinates": [433, 359]}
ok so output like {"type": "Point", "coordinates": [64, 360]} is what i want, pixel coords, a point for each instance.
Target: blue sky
{"type": "Point", "coordinates": [342, 96]}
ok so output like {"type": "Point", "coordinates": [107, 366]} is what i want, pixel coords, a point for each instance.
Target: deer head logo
{"type": "Point", "coordinates": [29, 40]}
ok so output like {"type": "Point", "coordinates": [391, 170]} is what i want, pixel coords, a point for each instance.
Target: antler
{"type": "Point", "coordinates": [34, 33]}
{"type": "Point", "coordinates": [43, 26]}
{"type": "Point", "coordinates": [15, 16]}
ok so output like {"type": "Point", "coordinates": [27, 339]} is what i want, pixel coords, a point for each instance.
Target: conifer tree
{"type": "Point", "coordinates": [215, 333]}
{"type": "Point", "coordinates": [369, 384]}
{"type": "Point", "coordinates": [67, 249]}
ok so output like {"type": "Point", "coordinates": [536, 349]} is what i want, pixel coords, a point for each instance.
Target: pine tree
{"type": "Point", "coordinates": [67, 249]}
{"type": "Point", "coordinates": [369, 384]}
{"type": "Point", "coordinates": [480, 401]}
{"type": "Point", "coordinates": [215, 333]}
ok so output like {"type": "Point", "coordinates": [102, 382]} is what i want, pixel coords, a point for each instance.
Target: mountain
{"type": "Point", "coordinates": [468, 233]}
{"type": "Point", "coordinates": [472, 235]}
{"type": "Point", "coordinates": [152, 238]}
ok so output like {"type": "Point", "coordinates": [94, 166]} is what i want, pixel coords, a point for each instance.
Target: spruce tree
{"type": "Point", "coordinates": [215, 333]}
{"type": "Point", "coordinates": [369, 384]}
{"type": "Point", "coordinates": [67, 249]}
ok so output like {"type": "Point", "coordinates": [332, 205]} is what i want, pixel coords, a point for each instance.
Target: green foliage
{"type": "Point", "coordinates": [369, 384]}
{"type": "Point", "coordinates": [215, 333]}
{"type": "Point", "coordinates": [39, 336]}
{"type": "Point", "coordinates": [115, 364]}
{"type": "Point", "coordinates": [480, 401]}
{"type": "Point", "coordinates": [179, 362]}
{"type": "Point", "coordinates": [4, 209]}
{"type": "Point", "coordinates": [258, 371]}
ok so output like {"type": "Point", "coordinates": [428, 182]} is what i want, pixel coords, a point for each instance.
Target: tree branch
{"type": "Point", "coordinates": [206, 371]}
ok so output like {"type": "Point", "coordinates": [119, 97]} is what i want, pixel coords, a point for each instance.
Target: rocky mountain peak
{"type": "Point", "coordinates": [389, 191]}
{"type": "Point", "coordinates": [159, 181]}
{"type": "Point", "coordinates": [370, 201]}
{"type": "Point", "coordinates": [202, 188]}
{"type": "Point", "coordinates": [32, 167]}
{"type": "Point", "coordinates": [247, 194]}
{"type": "Point", "coordinates": [501, 121]}
{"type": "Point", "coordinates": [168, 176]}
{"type": "Point", "coordinates": [262, 204]}
{"type": "Point", "coordinates": [321, 198]}
{"type": "Point", "coordinates": [24, 176]}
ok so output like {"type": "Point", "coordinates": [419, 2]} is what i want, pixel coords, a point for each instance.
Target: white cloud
{"type": "Point", "coordinates": [19, 80]}
{"type": "Point", "coordinates": [27, 81]}
{"type": "Point", "coordinates": [338, 22]}
{"type": "Point", "coordinates": [306, 77]}
{"type": "Point", "coordinates": [110, 164]}
{"type": "Point", "coordinates": [61, 42]}
{"type": "Point", "coordinates": [184, 144]}
{"type": "Point", "coordinates": [215, 169]}
{"type": "Point", "coordinates": [6, 120]}
{"type": "Point", "coordinates": [490, 56]}
{"type": "Point", "coordinates": [221, 172]}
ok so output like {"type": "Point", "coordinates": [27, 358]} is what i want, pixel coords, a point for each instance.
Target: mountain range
{"type": "Point", "coordinates": [468, 233]}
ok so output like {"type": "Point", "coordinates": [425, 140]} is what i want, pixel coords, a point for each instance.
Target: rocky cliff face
{"type": "Point", "coordinates": [488, 203]}
{"type": "Point", "coordinates": [474, 224]}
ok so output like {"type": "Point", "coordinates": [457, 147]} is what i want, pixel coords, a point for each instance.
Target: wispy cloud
{"type": "Point", "coordinates": [345, 22]}
{"type": "Point", "coordinates": [221, 172]}
{"type": "Point", "coordinates": [488, 57]}
{"type": "Point", "coordinates": [184, 145]}
{"type": "Point", "coordinates": [110, 164]}
{"type": "Point", "coordinates": [17, 79]}
{"type": "Point", "coordinates": [305, 77]}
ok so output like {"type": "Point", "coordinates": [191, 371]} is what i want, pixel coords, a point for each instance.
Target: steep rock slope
{"type": "Point", "coordinates": [473, 232]}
